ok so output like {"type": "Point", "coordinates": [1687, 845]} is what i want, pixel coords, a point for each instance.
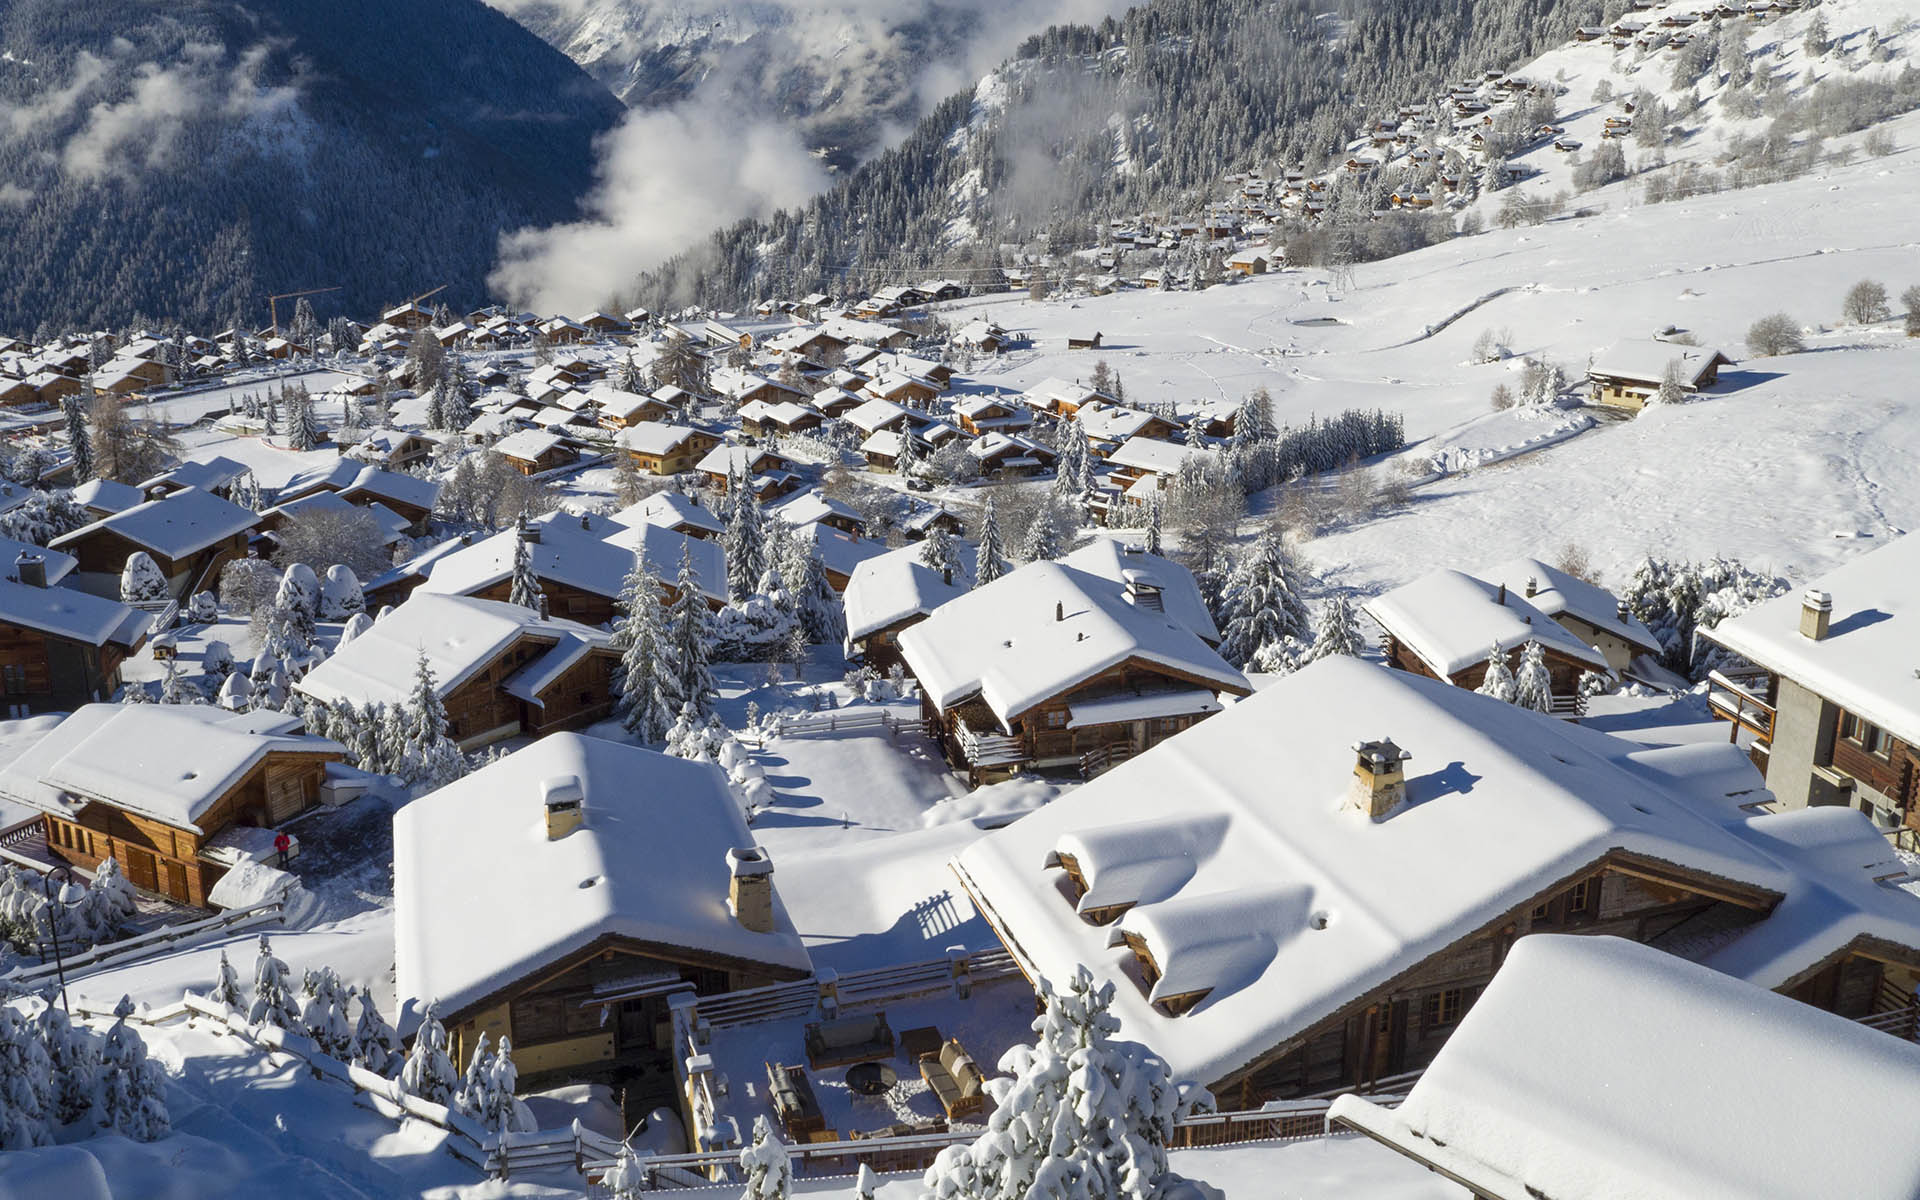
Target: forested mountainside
{"type": "Point", "coordinates": [1088, 122]}
{"type": "Point", "coordinates": [182, 159]}
{"type": "Point", "coordinates": [839, 76]}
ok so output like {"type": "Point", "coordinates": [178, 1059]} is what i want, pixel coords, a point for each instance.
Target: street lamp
{"type": "Point", "coordinates": [65, 874]}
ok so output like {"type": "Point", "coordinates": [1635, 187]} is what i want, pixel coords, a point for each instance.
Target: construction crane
{"type": "Point", "coordinates": [273, 303]}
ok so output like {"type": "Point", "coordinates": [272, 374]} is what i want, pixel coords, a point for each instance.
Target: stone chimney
{"type": "Point", "coordinates": [30, 569]}
{"type": "Point", "coordinates": [750, 893]}
{"type": "Point", "coordinates": [1143, 592]}
{"type": "Point", "coordinates": [565, 799]}
{"type": "Point", "coordinates": [1379, 778]}
{"type": "Point", "coordinates": [1533, 587]}
{"type": "Point", "coordinates": [1816, 614]}
{"type": "Point", "coordinates": [1059, 610]}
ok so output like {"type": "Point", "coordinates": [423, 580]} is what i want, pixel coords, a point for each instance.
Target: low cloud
{"type": "Point", "coordinates": [666, 178]}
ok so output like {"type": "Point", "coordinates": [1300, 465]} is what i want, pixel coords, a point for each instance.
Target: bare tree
{"type": "Point", "coordinates": [323, 537]}
{"type": "Point", "coordinates": [1866, 303]}
{"type": "Point", "coordinates": [1776, 334]}
{"type": "Point", "coordinates": [125, 449]}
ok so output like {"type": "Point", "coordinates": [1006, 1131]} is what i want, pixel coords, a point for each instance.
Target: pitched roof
{"type": "Point", "coordinates": [1648, 1097]}
{"type": "Point", "coordinates": [69, 613]}
{"type": "Point", "coordinates": [1867, 663]}
{"type": "Point", "coordinates": [108, 495]}
{"type": "Point", "coordinates": [670, 508]}
{"type": "Point", "coordinates": [58, 565]}
{"type": "Point", "coordinates": [1120, 562]}
{"type": "Point", "coordinates": [1557, 592]}
{"type": "Point", "coordinates": [527, 445]}
{"type": "Point", "coordinates": [648, 863]}
{"type": "Point", "coordinates": [1646, 362]}
{"type": "Point", "coordinates": [458, 634]}
{"type": "Point", "coordinates": [1502, 804]}
{"type": "Point", "coordinates": [891, 587]}
{"type": "Point", "coordinates": [169, 762]}
{"type": "Point", "coordinates": [1451, 620]}
{"type": "Point", "coordinates": [592, 554]}
{"type": "Point", "coordinates": [1041, 630]}
{"type": "Point", "coordinates": [655, 437]}
{"type": "Point", "coordinates": [176, 526]}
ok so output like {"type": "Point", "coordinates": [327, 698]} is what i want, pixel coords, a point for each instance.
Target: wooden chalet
{"type": "Point", "coordinates": [501, 670]}
{"type": "Point", "coordinates": [189, 534]}
{"type": "Point", "coordinates": [535, 451]}
{"type": "Point", "coordinates": [681, 902]}
{"type": "Point", "coordinates": [721, 463]}
{"type": "Point", "coordinates": [659, 448]}
{"type": "Point", "coordinates": [174, 792]}
{"type": "Point", "coordinates": [1447, 625]}
{"type": "Point", "coordinates": [1323, 906]}
{"type": "Point", "coordinates": [60, 647]}
{"type": "Point", "coordinates": [890, 593]}
{"type": "Point", "coordinates": [1052, 665]}
{"type": "Point", "coordinates": [1630, 374]}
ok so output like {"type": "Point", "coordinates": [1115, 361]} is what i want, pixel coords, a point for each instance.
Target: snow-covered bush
{"type": "Point", "coordinates": [273, 1002]}
{"type": "Point", "coordinates": [140, 579]}
{"type": "Point", "coordinates": [203, 608]}
{"type": "Point", "coordinates": [247, 585]}
{"type": "Point", "coordinates": [132, 1097]}
{"type": "Point", "coordinates": [428, 1072]}
{"type": "Point", "coordinates": [764, 1163]}
{"type": "Point", "coordinates": [1673, 599]}
{"type": "Point", "coordinates": [1775, 334]}
{"type": "Point", "coordinates": [356, 625]}
{"type": "Point", "coordinates": [1084, 1116]}
{"type": "Point", "coordinates": [340, 594]}
{"type": "Point", "coordinates": [323, 1012]}
{"type": "Point", "coordinates": [217, 659]}
{"type": "Point", "coordinates": [374, 1044]}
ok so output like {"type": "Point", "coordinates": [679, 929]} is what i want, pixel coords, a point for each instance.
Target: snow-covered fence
{"type": "Point", "coordinates": [165, 940]}
{"type": "Point", "coordinates": [163, 612]}
{"type": "Point", "coordinates": [830, 990]}
{"type": "Point", "coordinates": [1281, 1121]}
{"type": "Point", "coordinates": [843, 720]}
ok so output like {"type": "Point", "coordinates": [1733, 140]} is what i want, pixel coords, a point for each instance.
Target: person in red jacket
{"type": "Point", "coordinates": [281, 844]}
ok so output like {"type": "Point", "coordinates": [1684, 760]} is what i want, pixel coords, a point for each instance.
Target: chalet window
{"type": "Point", "coordinates": [552, 1016]}
{"type": "Point", "coordinates": [1057, 719]}
{"type": "Point", "coordinates": [1867, 736]}
{"type": "Point", "coordinates": [1580, 897]}
{"type": "Point", "coordinates": [1442, 1009]}
{"type": "Point", "coordinates": [14, 678]}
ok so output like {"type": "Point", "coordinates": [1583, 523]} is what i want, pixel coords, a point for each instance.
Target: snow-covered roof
{"type": "Point", "coordinates": [670, 508]}
{"type": "Point", "coordinates": [655, 437]}
{"type": "Point", "coordinates": [805, 508]}
{"type": "Point", "coordinates": [1120, 562]}
{"type": "Point", "coordinates": [1451, 621]}
{"type": "Point", "coordinates": [176, 526]}
{"type": "Point", "coordinates": [1869, 662]}
{"type": "Point", "coordinates": [206, 474]}
{"type": "Point", "coordinates": [1502, 804]}
{"type": "Point", "coordinates": [874, 415]}
{"type": "Point", "coordinates": [1153, 455]}
{"type": "Point", "coordinates": [1041, 630]}
{"type": "Point", "coordinates": [164, 761]}
{"type": "Point", "coordinates": [458, 634]}
{"type": "Point", "coordinates": [648, 863]}
{"type": "Point", "coordinates": [394, 485]}
{"type": "Point", "coordinates": [593, 554]}
{"type": "Point", "coordinates": [731, 460]}
{"type": "Point", "coordinates": [1111, 423]}
{"type": "Point", "coordinates": [1557, 592]}
{"type": "Point", "coordinates": [840, 552]}
{"type": "Point", "coordinates": [528, 444]}
{"type": "Point", "coordinates": [1646, 362]}
{"type": "Point", "coordinates": [619, 404]}
{"type": "Point", "coordinates": [332, 476]}
{"type": "Point", "coordinates": [107, 495]}
{"type": "Point", "coordinates": [891, 587]}
{"type": "Point", "coordinates": [1594, 1067]}
{"type": "Point", "coordinates": [58, 565]}
{"type": "Point", "coordinates": [68, 613]}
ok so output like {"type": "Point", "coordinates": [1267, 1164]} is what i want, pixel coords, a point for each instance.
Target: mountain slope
{"type": "Point", "coordinates": [1091, 122]}
{"type": "Point", "coordinates": [183, 159]}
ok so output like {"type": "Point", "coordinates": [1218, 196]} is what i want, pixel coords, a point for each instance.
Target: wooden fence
{"type": "Point", "coordinates": [165, 940]}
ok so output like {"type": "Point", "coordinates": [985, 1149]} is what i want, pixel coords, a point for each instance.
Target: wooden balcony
{"type": "Point", "coordinates": [1741, 698]}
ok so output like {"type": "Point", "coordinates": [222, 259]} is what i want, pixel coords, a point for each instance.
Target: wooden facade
{"type": "Point", "coordinates": [103, 553]}
{"type": "Point", "coordinates": [571, 1014]}
{"type": "Point", "coordinates": [42, 672]}
{"type": "Point", "coordinates": [682, 457]}
{"type": "Point", "coordinates": [166, 859]}
{"type": "Point", "coordinates": [481, 710]}
{"type": "Point", "coordinates": [1564, 671]}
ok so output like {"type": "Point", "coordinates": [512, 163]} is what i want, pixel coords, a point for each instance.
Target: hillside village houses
{"type": "Point", "coordinates": [892, 591]}
{"type": "Point", "coordinates": [1357, 851]}
{"type": "Point", "coordinates": [188, 534]}
{"type": "Point", "coordinates": [60, 647]}
{"type": "Point", "coordinates": [1827, 704]}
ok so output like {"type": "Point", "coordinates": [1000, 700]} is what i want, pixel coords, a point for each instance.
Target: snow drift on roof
{"type": "Point", "coordinates": [1452, 621]}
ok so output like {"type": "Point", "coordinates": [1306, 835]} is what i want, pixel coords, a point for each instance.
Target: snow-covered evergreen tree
{"type": "Point", "coordinates": [1153, 525]}
{"type": "Point", "coordinates": [473, 1098]}
{"type": "Point", "coordinates": [140, 579]}
{"type": "Point", "coordinates": [1336, 631]}
{"type": "Point", "coordinates": [1532, 686]}
{"type": "Point", "coordinates": [296, 604]}
{"type": "Point", "coordinates": [938, 552]}
{"type": "Point", "coordinates": [690, 638]}
{"type": "Point", "coordinates": [236, 694]}
{"type": "Point", "coordinates": [645, 699]}
{"type": "Point", "coordinates": [990, 558]}
{"type": "Point", "coordinates": [341, 597]}
{"type": "Point", "coordinates": [323, 1012]}
{"type": "Point", "coordinates": [742, 546]}
{"type": "Point", "coordinates": [26, 1084]}
{"type": "Point", "coordinates": [1499, 678]}
{"type": "Point", "coordinates": [1044, 538]}
{"type": "Point", "coordinates": [132, 1099]}
{"type": "Point", "coordinates": [273, 1000]}
{"type": "Point", "coordinates": [1072, 469]}
{"type": "Point", "coordinates": [765, 1165]}
{"type": "Point", "coordinates": [502, 1112]}
{"type": "Point", "coordinates": [525, 588]}
{"type": "Point", "coordinates": [303, 426]}
{"type": "Point", "coordinates": [1263, 604]}
{"type": "Point", "coordinates": [428, 1073]}
{"type": "Point", "coordinates": [1084, 1117]}
{"type": "Point", "coordinates": [226, 984]}
{"type": "Point", "coordinates": [427, 755]}
{"type": "Point", "coordinates": [374, 1044]}
{"type": "Point", "coordinates": [112, 897]}
{"type": "Point", "coordinates": [79, 438]}
{"type": "Point", "coordinates": [815, 603]}
{"type": "Point", "coordinates": [174, 689]}
{"type": "Point", "coordinates": [75, 1056]}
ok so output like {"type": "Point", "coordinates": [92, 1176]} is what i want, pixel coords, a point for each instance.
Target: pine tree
{"type": "Point", "coordinates": [990, 558]}
{"type": "Point", "coordinates": [374, 1045]}
{"type": "Point", "coordinates": [502, 1114]}
{"type": "Point", "coordinates": [473, 1098]}
{"type": "Point", "coordinates": [323, 1012]}
{"type": "Point", "coordinates": [1083, 1117]}
{"type": "Point", "coordinates": [1336, 632]}
{"type": "Point", "coordinates": [822, 616]}
{"type": "Point", "coordinates": [112, 896]}
{"type": "Point", "coordinates": [428, 1073]}
{"type": "Point", "coordinates": [132, 1089]}
{"type": "Point", "coordinates": [1071, 469]}
{"type": "Point", "coordinates": [79, 438]}
{"type": "Point", "coordinates": [1043, 540]}
{"type": "Point", "coordinates": [226, 984]}
{"type": "Point", "coordinates": [741, 544]}
{"type": "Point", "coordinates": [765, 1165]}
{"type": "Point", "coordinates": [273, 1002]}
{"type": "Point", "coordinates": [296, 605]}
{"type": "Point", "coordinates": [26, 1084]}
{"type": "Point", "coordinates": [690, 640]}
{"type": "Point", "coordinates": [644, 702]}
{"type": "Point", "coordinates": [525, 589]}
{"type": "Point", "coordinates": [75, 1060]}
{"type": "Point", "coordinates": [938, 552]}
{"type": "Point", "coordinates": [1499, 678]}
{"type": "Point", "coordinates": [1263, 604]}
{"type": "Point", "coordinates": [427, 755]}
{"type": "Point", "coordinates": [1532, 685]}
{"type": "Point", "coordinates": [1153, 525]}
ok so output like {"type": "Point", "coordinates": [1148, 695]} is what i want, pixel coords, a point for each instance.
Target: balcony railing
{"type": "Point", "coordinates": [989, 749]}
{"type": "Point", "coordinates": [1740, 697]}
